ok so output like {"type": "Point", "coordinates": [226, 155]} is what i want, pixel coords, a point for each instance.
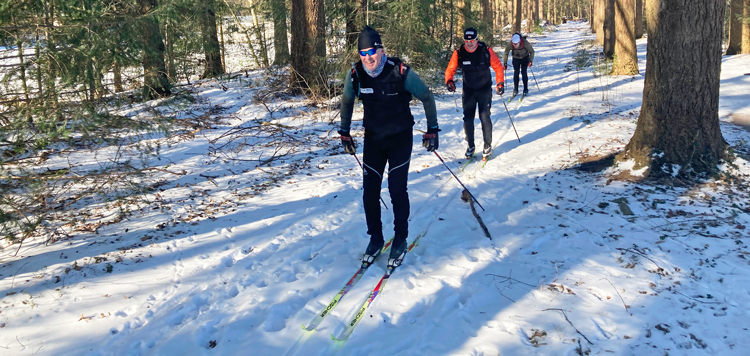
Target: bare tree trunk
{"type": "Point", "coordinates": [117, 73]}
{"type": "Point", "coordinates": [22, 65]}
{"type": "Point", "coordinates": [517, 22]}
{"type": "Point", "coordinates": [746, 27]}
{"type": "Point", "coordinates": [155, 81]}
{"type": "Point", "coordinates": [540, 10]}
{"type": "Point", "coordinates": [638, 19]}
{"type": "Point", "coordinates": [39, 75]}
{"type": "Point", "coordinates": [221, 42]}
{"type": "Point", "coordinates": [735, 27]}
{"type": "Point", "coordinates": [678, 128]}
{"type": "Point", "coordinates": [169, 46]}
{"type": "Point", "coordinates": [308, 44]}
{"type": "Point", "coordinates": [551, 12]}
{"type": "Point", "coordinates": [50, 90]}
{"type": "Point", "coordinates": [487, 17]}
{"type": "Point", "coordinates": [626, 59]}
{"type": "Point", "coordinates": [609, 29]}
{"type": "Point", "coordinates": [280, 39]}
{"type": "Point", "coordinates": [260, 33]}
{"type": "Point", "coordinates": [211, 47]}
{"type": "Point", "coordinates": [599, 7]}
{"type": "Point", "coordinates": [528, 10]}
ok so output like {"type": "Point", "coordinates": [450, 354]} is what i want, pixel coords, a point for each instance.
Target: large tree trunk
{"type": "Point", "coordinates": [551, 12]}
{"type": "Point", "coordinates": [746, 27]}
{"type": "Point", "coordinates": [211, 47]}
{"type": "Point", "coordinates": [678, 129]}
{"type": "Point", "coordinates": [735, 27]}
{"type": "Point", "coordinates": [308, 45]}
{"type": "Point", "coordinates": [155, 81]}
{"type": "Point", "coordinates": [609, 29]}
{"type": "Point", "coordinates": [280, 39]}
{"type": "Point", "coordinates": [638, 19]}
{"type": "Point", "coordinates": [626, 59]}
{"type": "Point", "coordinates": [517, 15]}
{"type": "Point", "coordinates": [599, 7]}
{"type": "Point", "coordinates": [487, 17]}
{"type": "Point", "coordinates": [540, 11]}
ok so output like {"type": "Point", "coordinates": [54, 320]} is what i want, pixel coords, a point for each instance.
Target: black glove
{"type": "Point", "coordinates": [430, 139]}
{"type": "Point", "coordinates": [348, 142]}
{"type": "Point", "coordinates": [500, 88]}
{"type": "Point", "coordinates": [451, 85]}
{"type": "Point", "coordinates": [505, 66]}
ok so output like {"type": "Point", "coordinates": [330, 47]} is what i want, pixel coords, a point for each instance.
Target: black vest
{"type": "Point", "coordinates": [384, 98]}
{"type": "Point", "coordinates": [475, 66]}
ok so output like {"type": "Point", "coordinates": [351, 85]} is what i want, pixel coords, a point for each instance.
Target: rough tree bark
{"type": "Point", "coordinates": [155, 81]}
{"type": "Point", "coordinates": [280, 39]}
{"type": "Point", "coordinates": [746, 27]}
{"type": "Point", "coordinates": [308, 45]}
{"type": "Point", "coordinates": [609, 29]}
{"type": "Point", "coordinates": [678, 129]}
{"type": "Point", "coordinates": [735, 27]}
{"type": "Point", "coordinates": [210, 39]}
{"type": "Point", "coordinates": [626, 59]}
{"type": "Point", "coordinates": [638, 19]}
{"type": "Point", "coordinates": [517, 22]}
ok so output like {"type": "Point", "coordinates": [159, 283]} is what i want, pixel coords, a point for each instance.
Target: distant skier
{"type": "Point", "coordinates": [475, 59]}
{"type": "Point", "coordinates": [523, 56]}
{"type": "Point", "coordinates": [385, 86]}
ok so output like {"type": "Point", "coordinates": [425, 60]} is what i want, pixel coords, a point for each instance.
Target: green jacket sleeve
{"type": "Point", "coordinates": [414, 85]}
{"type": "Point", "coordinates": [347, 103]}
{"type": "Point", "coordinates": [530, 49]}
{"type": "Point", "coordinates": [505, 55]}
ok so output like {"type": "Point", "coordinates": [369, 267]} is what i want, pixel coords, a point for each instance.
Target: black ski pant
{"type": "Point", "coordinates": [522, 64]}
{"type": "Point", "coordinates": [472, 98]}
{"type": "Point", "coordinates": [396, 151]}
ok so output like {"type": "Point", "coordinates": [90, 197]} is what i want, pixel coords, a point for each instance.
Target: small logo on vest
{"type": "Point", "coordinates": [467, 63]}
{"type": "Point", "coordinates": [366, 90]}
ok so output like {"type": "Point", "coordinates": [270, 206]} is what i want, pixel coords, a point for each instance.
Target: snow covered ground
{"type": "Point", "coordinates": [231, 259]}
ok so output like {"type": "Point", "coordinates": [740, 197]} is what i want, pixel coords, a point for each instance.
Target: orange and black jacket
{"type": "Point", "coordinates": [475, 66]}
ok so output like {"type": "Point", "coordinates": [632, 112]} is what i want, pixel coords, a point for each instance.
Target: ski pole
{"type": "Point", "coordinates": [511, 119]}
{"type": "Point", "coordinates": [532, 74]}
{"type": "Point", "coordinates": [455, 99]}
{"type": "Point", "coordinates": [459, 181]}
{"type": "Point", "coordinates": [363, 168]}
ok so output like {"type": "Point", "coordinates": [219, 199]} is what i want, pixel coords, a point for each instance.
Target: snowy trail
{"type": "Point", "coordinates": [245, 281]}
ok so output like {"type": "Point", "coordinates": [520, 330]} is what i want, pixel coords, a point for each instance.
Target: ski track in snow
{"type": "Point", "coordinates": [244, 282]}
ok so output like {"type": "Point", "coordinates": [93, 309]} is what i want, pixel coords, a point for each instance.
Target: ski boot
{"type": "Point", "coordinates": [397, 254]}
{"type": "Point", "coordinates": [373, 251]}
{"type": "Point", "coordinates": [470, 152]}
{"type": "Point", "coordinates": [487, 152]}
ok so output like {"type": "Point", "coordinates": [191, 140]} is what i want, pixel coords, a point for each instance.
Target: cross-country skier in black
{"type": "Point", "coordinates": [385, 86]}
{"type": "Point", "coordinates": [523, 56]}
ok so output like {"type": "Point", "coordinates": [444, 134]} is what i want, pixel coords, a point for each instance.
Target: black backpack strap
{"type": "Point", "coordinates": [399, 68]}
{"type": "Point", "coordinates": [486, 52]}
{"type": "Point", "coordinates": [355, 79]}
